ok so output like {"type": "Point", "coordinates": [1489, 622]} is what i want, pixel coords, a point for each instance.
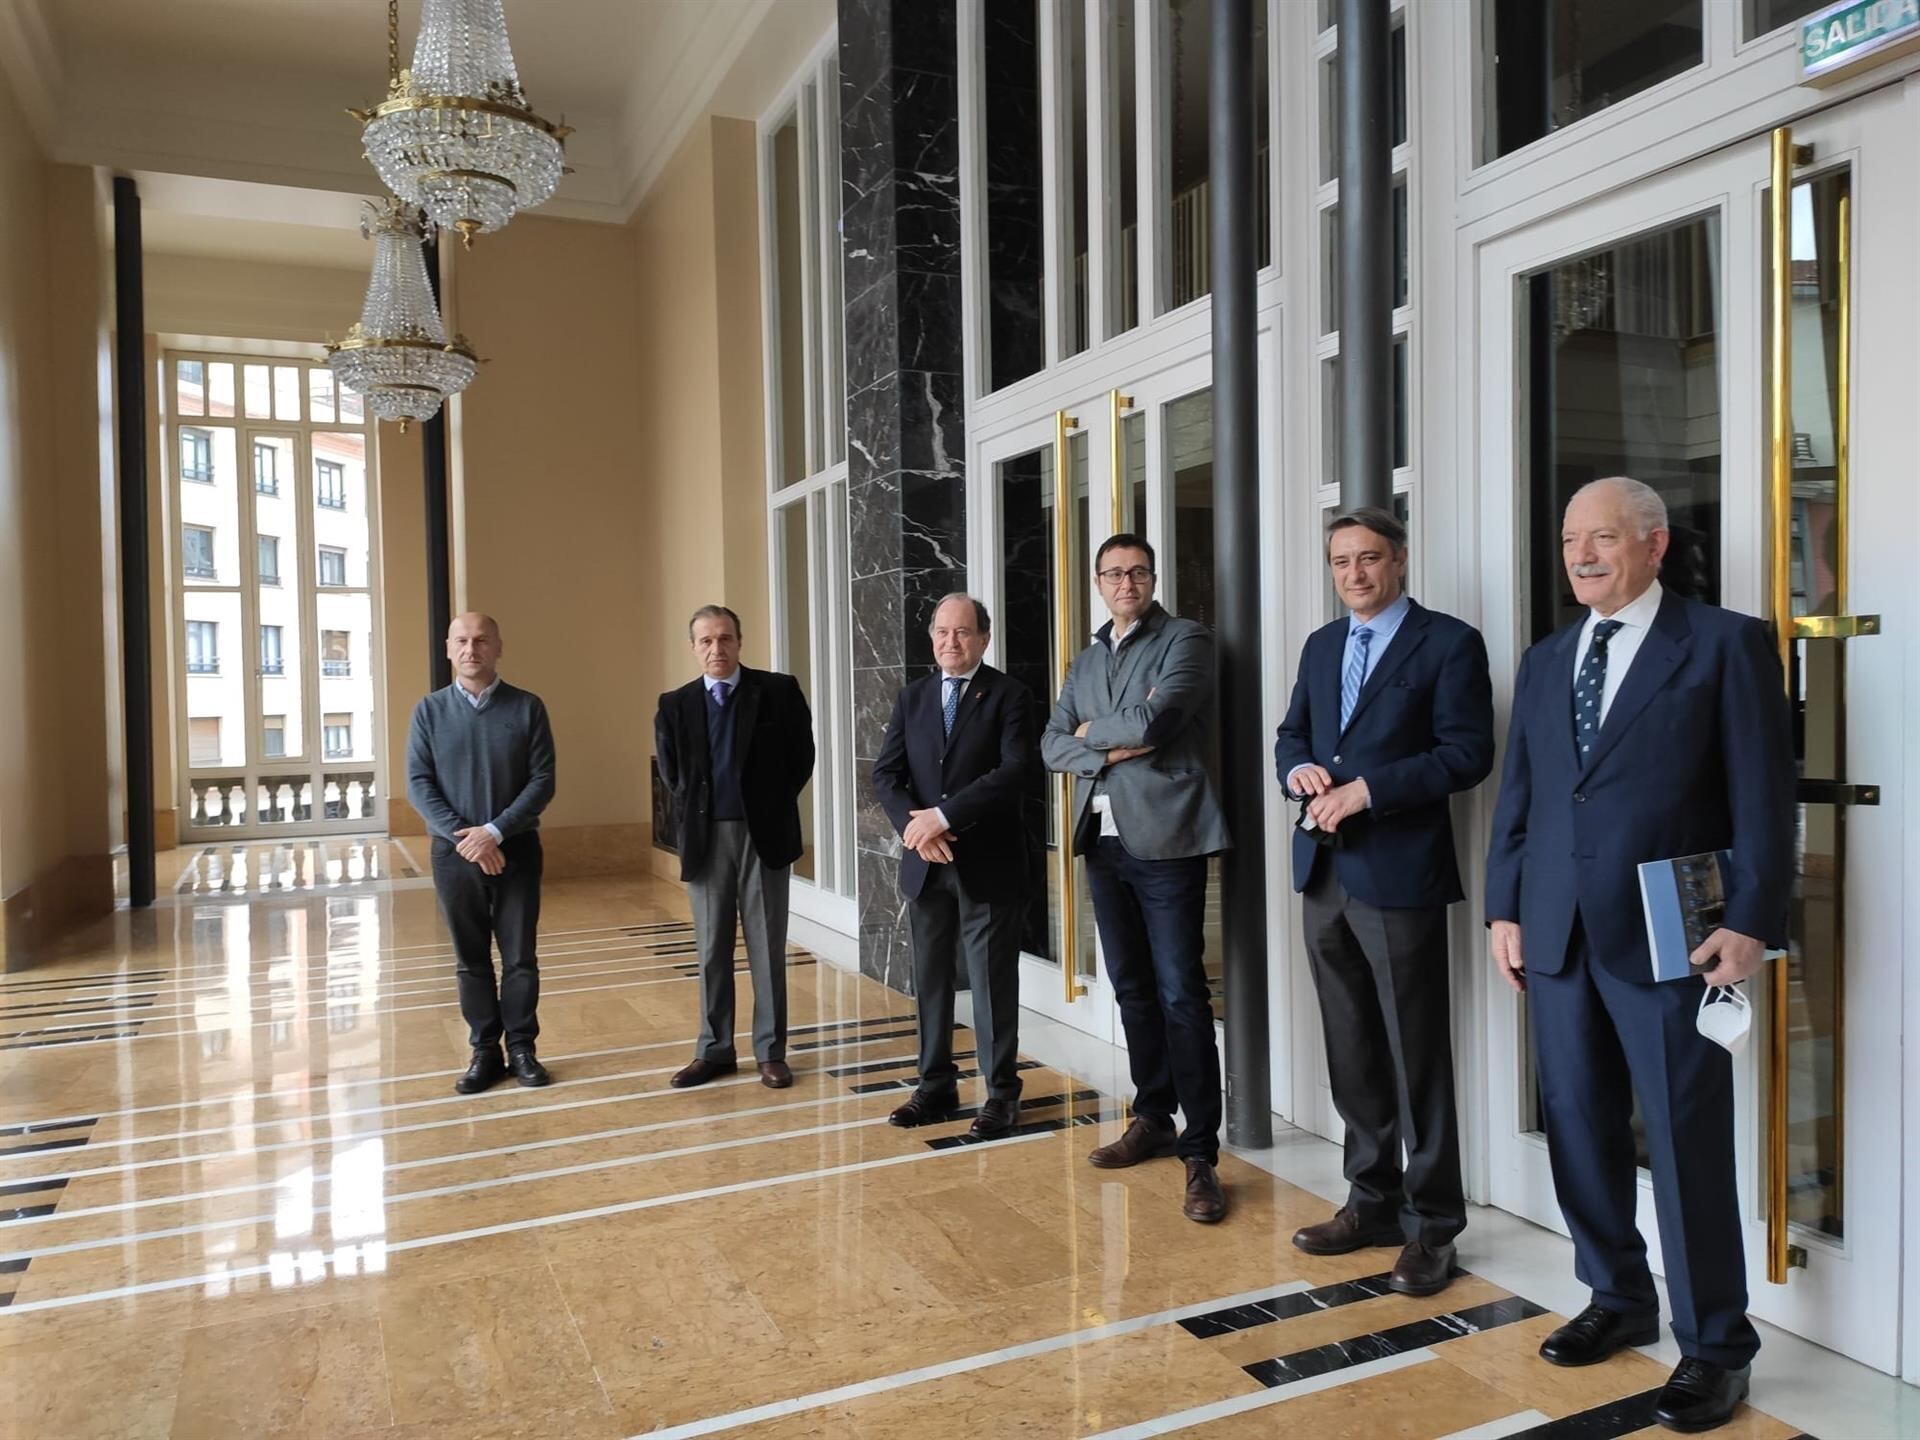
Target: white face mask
{"type": "Point", "coordinates": [1726, 1015]}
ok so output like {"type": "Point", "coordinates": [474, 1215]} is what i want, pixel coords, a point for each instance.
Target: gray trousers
{"type": "Point", "coordinates": [1382, 980]}
{"type": "Point", "coordinates": [736, 892]}
{"type": "Point", "coordinates": [949, 926]}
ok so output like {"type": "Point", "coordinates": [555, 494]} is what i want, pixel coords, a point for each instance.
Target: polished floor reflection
{"type": "Point", "coordinates": [237, 1197]}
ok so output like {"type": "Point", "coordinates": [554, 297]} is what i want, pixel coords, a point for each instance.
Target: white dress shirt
{"type": "Point", "coordinates": [966, 684]}
{"type": "Point", "coordinates": [478, 699]}
{"type": "Point", "coordinates": [1636, 619]}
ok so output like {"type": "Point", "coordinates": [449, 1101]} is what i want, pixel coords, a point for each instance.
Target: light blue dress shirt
{"type": "Point", "coordinates": [1384, 626]}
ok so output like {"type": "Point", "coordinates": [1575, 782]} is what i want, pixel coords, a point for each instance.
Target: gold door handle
{"type": "Point", "coordinates": [1122, 518]}
{"type": "Point", "coordinates": [1065, 645]}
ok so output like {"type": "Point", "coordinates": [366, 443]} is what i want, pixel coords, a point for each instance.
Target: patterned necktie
{"type": "Point", "coordinates": [1356, 675]}
{"type": "Point", "coordinates": [719, 693]}
{"type": "Point", "coordinates": [1588, 687]}
{"type": "Point", "coordinates": [951, 705]}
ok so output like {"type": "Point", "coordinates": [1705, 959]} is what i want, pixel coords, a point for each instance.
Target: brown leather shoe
{"type": "Point", "coordinates": [1144, 1140]}
{"type": "Point", "coordinates": [701, 1071]}
{"type": "Point", "coordinates": [1422, 1269]}
{"type": "Point", "coordinates": [775, 1075]}
{"type": "Point", "coordinates": [1344, 1234]}
{"type": "Point", "coordinates": [923, 1110]}
{"type": "Point", "coordinates": [1206, 1202]}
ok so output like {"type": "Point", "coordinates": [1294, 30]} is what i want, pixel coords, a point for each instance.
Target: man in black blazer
{"type": "Point", "coordinates": [952, 775]}
{"type": "Point", "coordinates": [736, 748]}
{"type": "Point", "coordinates": [1651, 728]}
{"type": "Point", "coordinates": [1392, 714]}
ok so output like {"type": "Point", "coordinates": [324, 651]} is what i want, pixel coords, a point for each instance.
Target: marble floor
{"type": "Point", "coordinates": [237, 1198]}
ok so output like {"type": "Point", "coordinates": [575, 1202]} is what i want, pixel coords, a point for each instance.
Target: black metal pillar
{"type": "Point", "coordinates": [433, 467]}
{"type": "Point", "coordinates": [1236, 567]}
{"type": "Point", "coordinates": [136, 637]}
{"type": "Point", "coordinates": [1366, 256]}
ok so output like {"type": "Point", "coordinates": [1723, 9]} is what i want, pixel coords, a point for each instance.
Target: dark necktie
{"type": "Point", "coordinates": [1589, 685]}
{"type": "Point", "coordinates": [720, 693]}
{"type": "Point", "coordinates": [951, 705]}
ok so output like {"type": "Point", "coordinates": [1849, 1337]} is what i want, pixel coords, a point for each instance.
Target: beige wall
{"type": "Point", "coordinates": [251, 299]}
{"type": "Point", "coordinates": [700, 399]}
{"type": "Point", "coordinates": [54, 834]}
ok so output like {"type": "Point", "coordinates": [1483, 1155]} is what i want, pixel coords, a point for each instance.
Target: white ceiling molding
{"type": "Point", "coordinates": [33, 66]}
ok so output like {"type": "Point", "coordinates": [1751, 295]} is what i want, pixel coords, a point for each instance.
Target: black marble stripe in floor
{"type": "Point", "coordinates": [826, 1025]}
{"type": "Point", "coordinates": [49, 1008]}
{"type": "Point", "coordinates": [30, 1187]}
{"type": "Point", "coordinates": [6, 1299]}
{"type": "Point", "coordinates": [83, 982]}
{"type": "Point", "coordinates": [14, 1267]}
{"type": "Point", "coordinates": [872, 1066]}
{"type": "Point", "coordinates": [1286, 1307]}
{"type": "Point", "coordinates": [41, 1126]}
{"type": "Point", "coordinates": [1604, 1422]}
{"type": "Point", "coordinates": [1032, 1127]}
{"type": "Point", "coordinates": [1397, 1340]}
{"type": "Point", "coordinates": [69, 1040]}
{"type": "Point", "coordinates": [41, 1145]}
{"type": "Point", "coordinates": [28, 1212]}
{"type": "Point", "coordinates": [874, 1087]}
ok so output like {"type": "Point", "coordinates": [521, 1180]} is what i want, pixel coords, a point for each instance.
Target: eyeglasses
{"type": "Point", "coordinates": [1139, 574]}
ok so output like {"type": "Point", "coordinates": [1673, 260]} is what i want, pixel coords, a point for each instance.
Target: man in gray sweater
{"type": "Point", "coordinates": [480, 771]}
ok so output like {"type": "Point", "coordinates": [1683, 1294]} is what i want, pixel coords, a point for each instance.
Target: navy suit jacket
{"type": "Point", "coordinates": [979, 777]}
{"type": "Point", "coordinates": [1696, 754]}
{"type": "Point", "coordinates": [1421, 731]}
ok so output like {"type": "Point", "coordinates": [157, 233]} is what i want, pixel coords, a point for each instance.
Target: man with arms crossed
{"type": "Point", "coordinates": [736, 748]}
{"type": "Point", "coordinates": [480, 771]}
{"type": "Point", "coordinates": [1134, 725]}
{"type": "Point", "coordinates": [1650, 729]}
{"type": "Point", "coordinates": [1392, 714]}
{"type": "Point", "coordinates": [952, 776]}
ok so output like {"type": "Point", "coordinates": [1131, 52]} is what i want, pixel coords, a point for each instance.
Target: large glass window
{"type": "Point", "coordinates": [276, 560]}
{"type": "Point", "coordinates": [1016, 301]}
{"type": "Point", "coordinates": [1555, 62]}
{"type": "Point", "coordinates": [807, 458]}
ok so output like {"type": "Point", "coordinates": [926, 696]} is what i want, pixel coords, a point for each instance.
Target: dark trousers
{"type": "Point", "coordinates": [735, 892]}
{"type": "Point", "coordinates": [949, 924]}
{"type": "Point", "coordinates": [1150, 915]}
{"type": "Point", "coordinates": [1600, 1041]}
{"type": "Point", "coordinates": [1382, 980]}
{"type": "Point", "coordinates": [480, 909]}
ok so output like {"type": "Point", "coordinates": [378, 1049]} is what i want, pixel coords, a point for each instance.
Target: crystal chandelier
{"type": "Point", "coordinates": [398, 356]}
{"type": "Point", "coordinates": [455, 134]}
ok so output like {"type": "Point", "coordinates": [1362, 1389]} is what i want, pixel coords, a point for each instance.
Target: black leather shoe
{"type": "Point", "coordinates": [923, 1110]}
{"type": "Point", "coordinates": [1700, 1396]}
{"type": "Point", "coordinates": [1144, 1140]}
{"type": "Point", "coordinates": [1344, 1234]}
{"type": "Point", "coordinates": [996, 1118]}
{"type": "Point", "coordinates": [701, 1071]}
{"type": "Point", "coordinates": [527, 1070]}
{"type": "Point", "coordinates": [1594, 1334]}
{"type": "Point", "coordinates": [486, 1071]}
{"type": "Point", "coordinates": [1422, 1269]}
{"type": "Point", "coordinates": [1204, 1201]}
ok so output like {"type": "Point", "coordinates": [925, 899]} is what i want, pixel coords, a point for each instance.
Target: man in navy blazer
{"type": "Point", "coordinates": [1653, 728]}
{"type": "Point", "coordinates": [953, 773]}
{"type": "Point", "coordinates": [1392, 714]}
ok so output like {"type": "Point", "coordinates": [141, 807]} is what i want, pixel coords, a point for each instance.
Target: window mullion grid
{"type": "Point", "coordinates": [832, 328]}
{"type": "Point", "coordinates": [1103, 198]}
{"type": "Point", "coordinates": [1151, 140]}
{"type": "Point", "coordinates": [1055, 209]}
{"type": "Point", "coordinates": [809, 276]}
{"type": "Point", "coordinates": [826, 789]}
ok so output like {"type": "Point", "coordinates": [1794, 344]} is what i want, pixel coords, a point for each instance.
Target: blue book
{"type": "Point", "coordinates": [1685, 900]}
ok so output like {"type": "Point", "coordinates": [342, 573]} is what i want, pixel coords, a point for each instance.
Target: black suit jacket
{"type": "Point", "coordinates": [978, 777]}
{"type": "Point", "coordinates": [774, 733]}
{"type": "Point", "coordinates": [1421, 731]}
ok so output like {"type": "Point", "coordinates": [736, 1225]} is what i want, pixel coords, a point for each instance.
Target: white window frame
{"type": "Point", "coordinates": [813, 92]}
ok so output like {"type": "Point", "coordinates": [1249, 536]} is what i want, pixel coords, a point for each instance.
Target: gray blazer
{"type": "Point", "coordinates": [1157, 691]}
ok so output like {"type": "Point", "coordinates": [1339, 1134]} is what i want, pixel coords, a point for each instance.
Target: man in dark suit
{"type": "Point", "coordinates": [1392, 714]}
{"type": "Point", "coordinates": [952, 775]}
{"type": "Point", "coordinates": [736, 748]}
{"type": "Point", "coordinates": [1653, 728]}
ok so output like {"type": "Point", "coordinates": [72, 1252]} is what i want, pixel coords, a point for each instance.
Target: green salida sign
{"type": "Point", "coordinates": [1845, 38]}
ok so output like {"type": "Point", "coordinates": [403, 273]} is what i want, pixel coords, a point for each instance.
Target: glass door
{"type": "Point", "coordinates": [1631, 337]}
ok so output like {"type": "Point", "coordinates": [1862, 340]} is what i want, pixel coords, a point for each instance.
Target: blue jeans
{"type": "Point", "coordinates": [1150, 915]}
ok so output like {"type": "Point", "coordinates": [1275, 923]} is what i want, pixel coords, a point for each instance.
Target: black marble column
{"type": "Point", "coordinates": [906, 494]}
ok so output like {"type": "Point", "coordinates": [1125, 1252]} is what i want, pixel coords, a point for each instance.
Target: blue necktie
{"type": "Point", "coordinates": [1589, 685]}
{"type": "Point", "coordinates": [719, 692]}
{"type": "Point", "coordinates": [951, 705]}
{"type": "Point", "coordinates": [1356, 675]}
